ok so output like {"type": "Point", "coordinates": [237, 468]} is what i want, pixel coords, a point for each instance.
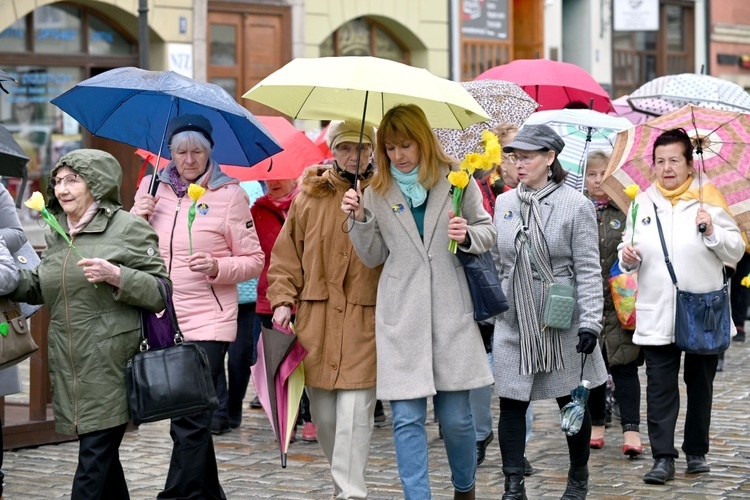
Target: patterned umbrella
{"type": "Point", "coordinates": [503, 101]}
{"type": "Point", "coordinates": [583, 131]}
{"type": "Point", "coordinates": [722, 155]}
{"type": "Point", "coordinates": [669, 93]}
{"type": "Point", "coordinates": [623, 110]}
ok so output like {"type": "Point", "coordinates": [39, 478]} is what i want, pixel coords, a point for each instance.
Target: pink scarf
{"type": "Point", "coordinates": [285, 201]}
{"type": "Point", "coordinates": [85, 219]}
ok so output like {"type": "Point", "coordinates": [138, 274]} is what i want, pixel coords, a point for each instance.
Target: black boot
{"type": "Point", "coordinates": [515, 489]}
{"type": "Point", "coordinates": [465, 495]}
{"type": "Point", "coordinates": [578, 483]}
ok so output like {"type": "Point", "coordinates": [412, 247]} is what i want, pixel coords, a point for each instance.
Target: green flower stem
{"type": "Point", "coordinates": [458, 198]}
{"type": "Point", "coordinates": [50, 219]}
{"type": "Point", "coordinates": [191, 218]}
{"type": "Point", "coordinates": [633, 215]}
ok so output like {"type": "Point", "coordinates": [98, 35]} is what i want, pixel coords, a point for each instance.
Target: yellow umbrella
{"type": "Point", "coordinates": [364, 88]}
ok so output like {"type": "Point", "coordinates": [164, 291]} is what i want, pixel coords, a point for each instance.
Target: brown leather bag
{"type": "Point", "coordinates": [16, 343]}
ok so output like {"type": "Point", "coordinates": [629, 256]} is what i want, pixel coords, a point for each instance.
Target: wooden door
{"type": "Point", "coordinates": [246, 43]}
{"type": "Point", "coordinates": [528, 29]}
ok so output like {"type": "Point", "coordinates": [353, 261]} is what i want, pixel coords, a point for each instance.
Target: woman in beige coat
{"type": "Point", "coordinates": [314, 267]}
{"type": "Point", "coordinates": [428, 342]}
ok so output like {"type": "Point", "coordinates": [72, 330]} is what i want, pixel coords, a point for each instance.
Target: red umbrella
{"type": "Point", "coordinates": [320, 141]}
{"type": "Point", "coordinates": [299, 153]}
{"type": "Point", "coordinates": [552, 84]}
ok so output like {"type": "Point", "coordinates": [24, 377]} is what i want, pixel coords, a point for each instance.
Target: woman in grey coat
{"type": "Point", "coordinates": [544, 229]}
{"type": "Point", "coordinates": [428, 343]}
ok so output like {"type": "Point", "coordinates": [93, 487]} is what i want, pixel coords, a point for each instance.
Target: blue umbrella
{"type": "Point", "coordinates": [133, 106]}
{"type": "Point", "coordinates": [571, 415]}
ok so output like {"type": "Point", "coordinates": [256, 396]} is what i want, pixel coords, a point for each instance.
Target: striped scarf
{"type": "Point", "coordinates": [541, 349]}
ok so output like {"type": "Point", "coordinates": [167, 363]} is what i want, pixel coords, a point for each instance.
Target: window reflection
{"type": "Point", "coordinates": [223, 45]}
{"type": "Point", "coordinates": [362, 37]}
{"type": "Point", "coordinates": [105, 40]}
{"type": "Point", "coordinates": [57, 29]}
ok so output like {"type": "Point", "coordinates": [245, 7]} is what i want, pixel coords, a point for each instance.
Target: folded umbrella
{"type": "Point", "coordinates": [279, 379]}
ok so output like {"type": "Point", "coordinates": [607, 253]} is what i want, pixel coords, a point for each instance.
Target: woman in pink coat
{"type": "Point", "coordinates": [225, 251]}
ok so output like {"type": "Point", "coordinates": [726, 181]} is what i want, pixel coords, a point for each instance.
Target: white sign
{"type": "Point", "coordinates": [636, 15]}
{"type": "Point", "coordinates": [181, 58]}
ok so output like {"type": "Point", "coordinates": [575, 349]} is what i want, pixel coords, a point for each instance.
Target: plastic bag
{"type": "Point", "coordinates": [624, 288]}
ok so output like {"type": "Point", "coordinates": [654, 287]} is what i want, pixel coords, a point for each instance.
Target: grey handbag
{"type": "Point", "coordinates": [27, 258]}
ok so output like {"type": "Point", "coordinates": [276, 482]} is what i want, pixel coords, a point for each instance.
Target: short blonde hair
{"type": "Point", "coordinates": [505, 132]}
{"type": "Point", "coordinates": [598, 156]}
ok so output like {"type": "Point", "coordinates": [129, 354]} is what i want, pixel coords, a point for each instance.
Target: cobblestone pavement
{"type": "Point", "coordinates": [250, 468]}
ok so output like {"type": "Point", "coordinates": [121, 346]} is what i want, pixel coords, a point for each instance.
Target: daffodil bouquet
{"type": "Point", "coordinates": [632, 192]}
{"type": "Point", "coordinates": [487, 160]}
{"type": "Point", "coordinates": [195, 192]}
{"type": "Point", "coordinates": [36, 202]}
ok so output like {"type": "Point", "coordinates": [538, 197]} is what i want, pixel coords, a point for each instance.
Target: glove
{"type": "Point", "coordinates": [586, 341]}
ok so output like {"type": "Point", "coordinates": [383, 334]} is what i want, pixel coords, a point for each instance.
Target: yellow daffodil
{"type": "Point", "coordinates": [472, 162]}
{"type": "Point", "coordinates": [745, 281]}
{"type": "Point", "coordinates": [36, 202]}
{"type": "Point", "coordinates": [460, 179]}
{"type": "Point", "coordinates": [632, 191]}
{"type": "Point", "coordinates": [195, 191]}
{"type": "Point", "coordinates": [493, 153]}
{"type": "Point", "coordinates": [488, 136]}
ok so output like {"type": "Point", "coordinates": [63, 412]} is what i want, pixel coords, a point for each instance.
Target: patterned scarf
{"type": "Point", "coordinates": [599, 206]}
{"type": "Point", "coordinates": [541, 349]}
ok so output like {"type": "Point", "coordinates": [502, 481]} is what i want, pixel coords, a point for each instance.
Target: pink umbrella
{"type": "Point", "coordinates": [623, 110]}
{"type": "Point", "coordinates": [279, 379]}
{"type": "Point", "coordinates": [552, 84]}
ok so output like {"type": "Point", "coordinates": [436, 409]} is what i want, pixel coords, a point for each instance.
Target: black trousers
{"type": "Point", "coordinates": [663, 399]}
{"type": "Point", "coordinates": [627, 392]}
{"type": "Point", "coordinates": [193, 473]}
{"type": "Point", "coordinates": [231, 388]}
{"type": "Point", "coordinates": [739, 295]}
{"type": "Point", "coordinates": [99, 474]}
{"type": "Point", "coordinates": [512, 433]}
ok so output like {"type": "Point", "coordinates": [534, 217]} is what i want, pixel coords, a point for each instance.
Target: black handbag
{"type": "Point", "coordinates": [169, 382]}
{"type": "Point", "coordinates": [484, 283]}
{"type": "Point", "coordinates": [702, 320]}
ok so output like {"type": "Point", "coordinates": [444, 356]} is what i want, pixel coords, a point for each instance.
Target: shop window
{"type": "Point", "coordinates": [13, 39]}
{"type": "Point", "coordinates": [57, 29]}
{"type": "Point", "coordinates": [363, 37]}
{"type": "Point", "coordinates": [105, 40]}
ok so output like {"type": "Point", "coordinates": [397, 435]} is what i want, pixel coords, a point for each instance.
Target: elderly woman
{"type": "Point", "coordinates": [225, 251]}
{"type": "Point", "coordinates": [93, 330]}
{"type": "Point", "coordinates": [546, 233]}
{"type": "Point", "coordinates": [698, 260]}
{"type": "Point", "coordinates": [427, 340]}
{"type": "Point", "coordinates": [314, 267]}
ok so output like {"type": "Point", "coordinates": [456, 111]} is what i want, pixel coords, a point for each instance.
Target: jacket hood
{"type": "Point", "coordinates": [321, 181]}
{"type": "Point", "coordinates": [213, 181]}
{"type": "Point", "coordinates": [100, 170]}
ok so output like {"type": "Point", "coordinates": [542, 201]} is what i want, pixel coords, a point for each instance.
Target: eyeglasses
{"type": "Point", "coordinates": [68, 180]}
{"type": "Point", "coordinates": [523, 159]}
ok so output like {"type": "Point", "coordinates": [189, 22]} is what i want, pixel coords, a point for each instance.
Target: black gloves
{"type": "Point", "coordinates": [586, 341]}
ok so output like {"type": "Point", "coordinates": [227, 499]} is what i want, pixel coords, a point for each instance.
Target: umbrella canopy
{"type": "Point", "coordinates": [623, 110]}
{"type": "Point", "coordinates": [350, 88]}
{"type": "Point", "coordinates": [134, 106]}
{"type": "Point", "coordinates": [583, 131]}
{"type": "Point", "coordinates": [552, 84]}
{"type": "Point", "coordinates": [5, 77]}
{"type": "Point", "coordinates": [503, 102]}
{"type": "Point", "coordinates": [723, 157]}
{"type": "Point", "coordinates": [13, 159]}
{"type": "Point", "coordinates": [279, 379]}
{"type": "Point", "coordinates": [669, 93]}
{"type": "Point", "coordinates": [320, 141]}
{"type": "Point", "coordinates": [299, 153]}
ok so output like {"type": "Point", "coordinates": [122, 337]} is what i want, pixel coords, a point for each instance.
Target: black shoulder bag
{"type": "Point", "coordinates": [702, 320]}
{"type": "Point", "coordinates": [169, 382]}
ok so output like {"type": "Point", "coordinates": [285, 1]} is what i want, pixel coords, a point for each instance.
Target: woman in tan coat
{"type": "Point", "coordinates": [314, 267]}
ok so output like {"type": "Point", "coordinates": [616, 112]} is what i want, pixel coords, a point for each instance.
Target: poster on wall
{"type": "Point", "coordinates": [636, 15]}
{"type": "Point", "coordinates": [485, 19]}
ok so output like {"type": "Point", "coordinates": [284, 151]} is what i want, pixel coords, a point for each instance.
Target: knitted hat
{"type": "Point", "coordinates": [196, 123]}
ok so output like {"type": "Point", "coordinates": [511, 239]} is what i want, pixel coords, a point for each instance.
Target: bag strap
{"type": "Point", "coordinates": [666, 255]}
{"type": "Point", "coordinates": [664, 247]}
{"type": "Point", "coordinates": [166, 294]}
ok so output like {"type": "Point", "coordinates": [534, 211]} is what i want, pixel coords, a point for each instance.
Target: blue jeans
{"type": "Point", "coordinates": [454, 414]}
{"type": "Point", "coordinates": [480, 400]}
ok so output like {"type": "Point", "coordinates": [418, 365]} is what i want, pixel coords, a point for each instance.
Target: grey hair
{"type": "Point", "coordinates": [190, 138]}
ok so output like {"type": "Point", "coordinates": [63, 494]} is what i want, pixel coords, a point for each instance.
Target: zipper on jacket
{"type": "Point", "coordinates": [70, 343]}
{"type": "Point", "coordinates": [171, 236]}
{"type": "Point", "coordinates": [216, 297]}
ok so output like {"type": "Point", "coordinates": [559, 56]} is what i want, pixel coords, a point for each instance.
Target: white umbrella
{"type": "Point", "coordinates": [583, 131]}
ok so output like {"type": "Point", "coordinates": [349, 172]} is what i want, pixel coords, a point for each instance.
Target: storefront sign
{"type": "Point", "coordinates": [636, 15]}
{"type": "Point", "coordinates": [485, 19]}
{"type": "Point", "coordinates": [181, 58]}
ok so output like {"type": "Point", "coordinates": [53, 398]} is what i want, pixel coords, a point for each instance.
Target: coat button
{"type": "Point", "coordinates": [339, 309]}
{"type": "Point", "coordinates": [345, 255]}
{"type": "Point", "coordinates": [334, 366]}
{"type": "Point", "coordinates": [429, 257]}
